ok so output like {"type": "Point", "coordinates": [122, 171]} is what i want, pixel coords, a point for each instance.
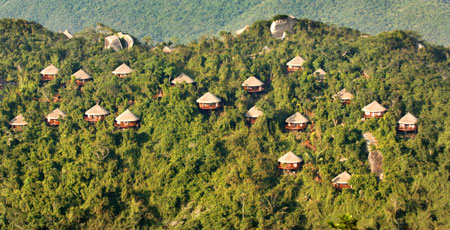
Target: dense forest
{"type": "Point", "coordinates": [185, 20]}
{"type": "Point", "coordinates": [184, 168]}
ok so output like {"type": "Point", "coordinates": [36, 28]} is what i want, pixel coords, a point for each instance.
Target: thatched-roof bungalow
{"type": "Point", "coordinates": [295, 64]}
{"type": "Point", "coordinates": [342, 181]}
{"type": "Point", "coordinates": [344, 96]}
{"type": "Point", "coordinates": [407, 123]}
{"type": "Point", "coordinates": [253, 85]}
{"type": "Point", "coordinates": [81, 77]}
{"type": "Point", "coordinates": [126, 120]}
{"type": "Point", "coordinates": [123, 71]}
{"type": "Point", "coordinates": [320, 75]}
{"type": "Point", "coordinates": [49, 73]}
{"type": "Point", "coordinates": [52, 119]}
{"type": "Point", "coordinates": [374, 110]}
{"type": "Point", "coordinates": [296, 122]}
{"type": "Point", "coordinates": [96, 113]}
{"type": "Point", "coordinates": [253, 114]}
{"type": "Point", "coordinates": [182, 78]}
{"type": "Point", "coordinates": [17, 123]}
{"type": "Point", "coordinates": [208, 101]}
{"type": "Point", "coordinates": [290, 162]}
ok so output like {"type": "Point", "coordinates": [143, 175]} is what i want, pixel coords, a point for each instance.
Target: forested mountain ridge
{"type": "Point", "coordinates": [186, 169]}
{"type": "Point", "coordinates": [185, 20]}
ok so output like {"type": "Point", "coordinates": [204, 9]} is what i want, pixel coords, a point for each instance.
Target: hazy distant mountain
{"type": "Point", "coordinates": [185, 20]}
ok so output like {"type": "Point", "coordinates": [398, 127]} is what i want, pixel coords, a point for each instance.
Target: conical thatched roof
{"type": "Point", "coordinates": [238, 32]}
{"type": "Point", "coordinates": [182, 78]}
{"type": "Point", "coordinates": [290, 158]}
{"type": "Point", "coordinates": [408, 119]}
{"type": "Point", "coordinates": [167, 49]}
{"type": "Point", "coordinates": [254, 112]}
{"type": "Point", "coordinates": [56, 114]}
{"type": "Point", "coordinates": [297, 118]}
{"type": "Point", "coordinates": [19, 120]}
{"type": "Point", "coordinates": [343, 95]}
{"type": "Point", "coordinates": [342, 178]}
{"type": "Point", "coordinates": [374, 107]}
{"type": "Point", "coordinates": [50, 70]}
{"type": "Point", "coordinates": [297, 61]}
{"type": "Point", "coordinates": [97, 110]}
{"type": "Point", "coordinates": [81, 75]}
{"type": "Point", "coordinates": [320, 72]}
{"type": "Point", "coordinates": [127, 116]}
{"type": "Point", "coordinates": [208, 98]}
{"type": "Point", "coordinates": [252, 81]}
{"type": "Point", "coordinates": [123, 69]}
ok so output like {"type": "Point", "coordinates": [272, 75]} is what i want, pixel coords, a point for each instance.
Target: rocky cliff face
{"type": "Point", "coordinates": [280, 26]}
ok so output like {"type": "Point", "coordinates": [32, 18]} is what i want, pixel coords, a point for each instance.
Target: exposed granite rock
{"type": "Point", "coordinates": [280, 26]}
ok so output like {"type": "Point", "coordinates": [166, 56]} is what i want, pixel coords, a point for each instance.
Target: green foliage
{"type": "Point", "coordinates": [187, 19]}
{"type": "Point", "coordinates": [188, 169]}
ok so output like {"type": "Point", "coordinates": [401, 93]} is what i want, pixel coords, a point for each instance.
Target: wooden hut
{"type": "Point", "coordinates": [208, 101]}
{"type": "Point", "coordinates": [96, 113]}
{"type": "Point", "coordinates": [52, 119]}
{"type": "Point", "coordinates": [123, 71]}
{"type": "Point", "coordinates": [17, 123]}
{"type": "Point", "coordinates": [373, 110]}
{"type": "Point", "coordinates": [253, 85]}
{"type": "Point", "coordinates": [342, 181]}
{"type": "Point", "coordinates": [81, 77]}
{"type": "Point", "coordinates": [253, 114]}
{"type": "Point", "coordinates": [295, 64]}
{"type": "Point", "coordinates": [49, 73]}
{"type": "Point", "coordinates": [320, 75]}
{"type": "Point", "coordinates": [407, 123]}
{"type": "Point", "coordinates": [290, 162]}
{"type": "Point", "coordinates": [182, 78]}
{"type": "Point", "coordinates": [296, 122]}
{"type": "Point", "coordinates": [344, 96]}
{"type": "Point", "coordinates": [126, 120]}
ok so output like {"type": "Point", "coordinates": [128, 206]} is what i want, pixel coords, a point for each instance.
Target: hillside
{"type": "Point", "coordinates": [186, 20]}
{"type": "Point", "coordinates": [185, 168]}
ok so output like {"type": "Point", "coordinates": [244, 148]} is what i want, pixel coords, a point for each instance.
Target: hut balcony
{"type": "Point", "coordinates": [47, 77]}
{"type": "Point", "coordinates": [94, 118]}
{"type": "Point", "coordinates": [341, 186]}
{"type": "Point", "coordinates": [122, 75]}
{"type": "Point", "coordinates": [345, 101]}
{"type": "Point", "coordinates": [251, 89]}
{"type": "Point", "coordinates": [16, 128]}
{"type": "Point", "coordinates": [293, 127]}
{"type": "Point", "coordinates": [209, 106]}
{"type": "Point", "coordinates": [53, 122]}
{"type": "Point", "coordinates": [294, 68]}
{"type": "Point", "coordinates": [81, 82]}
{"type": "Point", "coordinates": [286, 166]}
{"type": "Point", "coordinates": [125, 125]}
{"type": "Point", "coordinates": [407, 128]}
{"type": "Point", "coordinates": [251, 120]}
{"type": "Point", "coordinates": [373, 115]}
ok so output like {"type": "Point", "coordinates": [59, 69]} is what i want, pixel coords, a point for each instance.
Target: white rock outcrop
{"type": "Point", "coordinates": [280, 26]}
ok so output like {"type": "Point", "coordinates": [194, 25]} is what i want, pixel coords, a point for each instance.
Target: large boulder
{"type": "Point", "coordinates": [119, 41]}
{"type": "Point", "coordinates": [113, 42]}
{"type": "Point", "coordinates": [279, 27]}
{"type": "Point", "coordinates": [127, 38]}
